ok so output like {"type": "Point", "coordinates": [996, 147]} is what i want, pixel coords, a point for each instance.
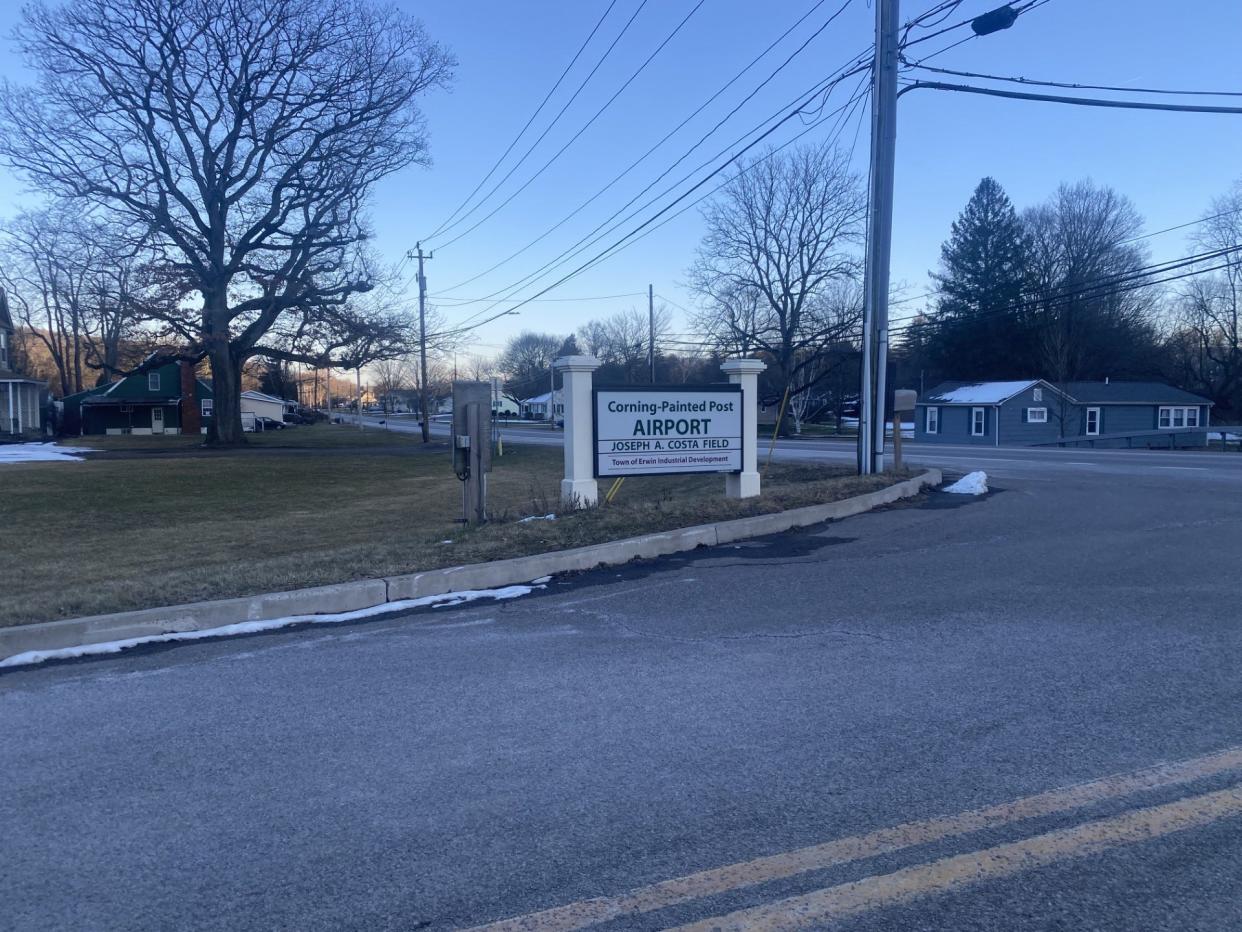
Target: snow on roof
{"type": "Point", "coordinates": [262, 396]}
{"type": "Point", "coordinates": [980, 393]}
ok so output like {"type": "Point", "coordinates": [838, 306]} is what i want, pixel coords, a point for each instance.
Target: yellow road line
{"type": "Point", "coordinates": [963, 870]}
{"type": "Point", "coordinates": [730, 877]}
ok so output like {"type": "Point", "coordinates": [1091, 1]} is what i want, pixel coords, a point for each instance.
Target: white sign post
{"type": "Point", "coordinates": [579, 487]}
{"type": "Point", "coordinates": [745, 372]}
{"type": "Point", "coordinates": [656, 431]}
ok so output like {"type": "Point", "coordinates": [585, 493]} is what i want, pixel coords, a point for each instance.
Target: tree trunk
{"type": "Point", "coordinates": [226, 425]}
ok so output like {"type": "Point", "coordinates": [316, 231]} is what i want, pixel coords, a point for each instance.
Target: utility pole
{"type": "Point", "coordinates": [879, 239]}
{"type": "Point", "coordinates": [422, 343]}
{"type": "Point", "coordinates": [651, 331]}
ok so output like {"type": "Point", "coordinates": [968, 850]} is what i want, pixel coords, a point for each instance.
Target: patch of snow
{"type": "Point", "coordinates": [973, 483]}
{"type": "Point", "coordinates": [983, 393]}
{"type": "Point", "coordinates": [1217, 435]}
{"type": "Point", "coordinates": [530, 518]}
{"type": "Point", "coordinates": [40, 453]}
{"type": "Point", "coordinates": [251, 627]}
{"type": "Point", "coordinates": [541, 580]}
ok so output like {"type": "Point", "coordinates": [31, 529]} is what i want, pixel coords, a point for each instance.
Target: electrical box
{"type": "Point", "coordinates": [472, 449]}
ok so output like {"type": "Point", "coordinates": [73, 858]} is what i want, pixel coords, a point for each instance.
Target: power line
{"type": "Point", "coordinates": [670, 134]}
{"type": "Point", "coordinates": [555, 120]}
{"type": "Point", "coordinates": [590, 238]}
{"type": "Point", "coordinates": [546, 165]}
{"type": "Point", "coordinates": [583, 243]}
{"type": "Point", "coordinates": [630, 237]}
{"type": "Point", "coordinates": [1123, 242]}
{"type": "Point", "coordinates": [1020, 10]}
{"type": "Point", "coordinates": [491, 171]}
{"type": "Point", "coordinates": [1076, 86]}
{"type": "Point", "coordinates": [1078, 101]}
{"type": "Point", "coordinates": [1111, 287]}
{"type": "Point", "coordinates": [449, 302]}
{"type": "Point", "coordinates": [1133, 279]}
{"type": "Point", "coordinates": [635, 235]}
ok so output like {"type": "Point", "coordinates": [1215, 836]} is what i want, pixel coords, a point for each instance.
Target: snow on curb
{"type": "Point", "coordinates": [40, 453]}
{"type": "Point", "coordinates": [444, 600]}
{"type": "Point", "coordinates": [973, 483]}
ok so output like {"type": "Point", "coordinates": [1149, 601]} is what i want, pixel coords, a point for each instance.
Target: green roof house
{"type": "Point", "coordinates": [168, 399]}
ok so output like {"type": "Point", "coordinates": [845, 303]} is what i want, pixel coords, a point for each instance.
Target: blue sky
{"type": "Point", "coordinates": [1170, 165]}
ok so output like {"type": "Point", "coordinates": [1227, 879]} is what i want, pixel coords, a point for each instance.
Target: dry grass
{"type": "Point", "coordinates": [117, 534]}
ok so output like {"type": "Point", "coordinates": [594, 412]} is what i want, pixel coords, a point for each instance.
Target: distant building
{"type": "Point", "coordinates": [537, 408]}
{"type": "Point", "coordinates": [1035, 411]}
{"type": "Point", "coordinates": [21, 399]}
{"type": "Point", "coordinates": [168, 400]}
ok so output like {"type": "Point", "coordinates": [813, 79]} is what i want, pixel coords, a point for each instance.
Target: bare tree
{"type": "Point", "coordinates": [1080, 241]}
{"type": "Point", "coordinates": [623, 340]}
{"type": "Point", "coordinates": [779, 254]}
{"type": "Point", "coordinates": [1207, 344]}
{"type": "Point", "coordinates": [240, 138]}
{"type": "Point", "coordinates": [527, 364]}
{"type": "Point", "coordinates": [390, 376]}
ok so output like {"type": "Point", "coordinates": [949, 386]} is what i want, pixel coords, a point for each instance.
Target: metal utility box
{"type": "Point", "coordinates": [472, 448]}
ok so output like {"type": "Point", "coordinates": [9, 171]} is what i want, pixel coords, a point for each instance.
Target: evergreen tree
{"type": "Point", "coordinates": [980, 331]}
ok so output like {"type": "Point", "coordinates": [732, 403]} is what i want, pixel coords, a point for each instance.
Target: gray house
{"type": "Point", "coordinates": [1034, 411]}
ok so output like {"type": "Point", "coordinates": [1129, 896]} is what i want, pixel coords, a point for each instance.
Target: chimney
{"type": "Point", "coordinates": [191, 419]}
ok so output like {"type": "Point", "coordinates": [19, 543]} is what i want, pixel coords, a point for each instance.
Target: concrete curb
{"type": "Point", "coordinates": [367, 593]}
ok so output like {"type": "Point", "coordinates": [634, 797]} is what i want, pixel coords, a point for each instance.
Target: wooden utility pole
{"type": "Point", "coordinates": [879, 239]}
{"type": "Point", "coordinates": [424, 403]}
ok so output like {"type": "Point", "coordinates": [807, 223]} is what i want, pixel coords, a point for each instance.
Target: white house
{"type": "Point", "coordinates": [263, 405]}
{"type": "Point", "coordinates": [537, 407]}
{"type": "Point", "coordinates": [21, 412]}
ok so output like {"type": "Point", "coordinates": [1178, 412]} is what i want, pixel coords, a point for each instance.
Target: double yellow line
{"type": "Point", "coordinates": [939, 876]}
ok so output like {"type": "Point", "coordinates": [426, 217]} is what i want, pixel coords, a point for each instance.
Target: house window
{"type": "Point", "coordinates": [978, 421]}
{"type": "Point", "coordinates": [1093, 421]}
{"type": "Point", "coordinates": [1177, 417]}
{"type": "Point", "coordinates": [4, 349]}
{"type": "Point", "coordinates": [932, 422]}
{"type": "Point", "coordinates": [1037, 394]}
{"type": "Point", "coordinates": [153, 381]}
{"type": "Point", "coordinates": [1037, 415]}
{"type": "Point", "coordinates": [207, 407]}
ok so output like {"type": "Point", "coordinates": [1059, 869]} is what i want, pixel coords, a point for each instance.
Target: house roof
{"type": "Point", "coordinates": [976, 393]}
{"type": "Point", "coordinates": [993, 393]}
{"type": "Point", "coordinates": [1131, 393]}
{"type": "Point", "coordinates": [539, 399]}
{"type": "Point", "coordinates": [140, 400]}
{"type": "Point", "coordinates": [263, 396]}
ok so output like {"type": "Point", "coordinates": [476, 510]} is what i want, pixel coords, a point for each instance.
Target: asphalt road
{"type": "Point", "coordinates": [867, 724]}
{"type": "Point", "coordinates": [1038, 463]}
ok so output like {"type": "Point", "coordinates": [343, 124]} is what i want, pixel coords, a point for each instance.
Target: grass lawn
{"type": "Point", "coordinates": [328, 504]}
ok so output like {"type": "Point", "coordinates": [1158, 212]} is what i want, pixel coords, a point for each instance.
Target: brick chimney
{"type": "Point", "coordinates": [191, 417]}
